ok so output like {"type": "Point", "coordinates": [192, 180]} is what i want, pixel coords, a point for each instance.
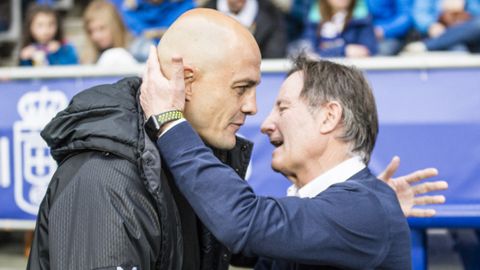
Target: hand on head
{"type": "Point", "coordinates": [159, 94]}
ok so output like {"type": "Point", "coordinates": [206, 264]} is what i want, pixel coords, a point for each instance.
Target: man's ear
{"type": "Point", "coordinates": [331, 116]}
{"type": "Point", "coordinates": [190, 75]}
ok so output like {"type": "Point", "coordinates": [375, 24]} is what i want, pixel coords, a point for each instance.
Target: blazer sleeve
{"type": "Point", "coordinates": [322, 230]}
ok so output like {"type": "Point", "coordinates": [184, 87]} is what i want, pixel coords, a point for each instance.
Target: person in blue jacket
{"type": "Point", "coordinates": [447, 25]}
{"type": "Point", "coordinates": [323, 125]}
{"type": "Point", "coordinates": [42, 42]}
{"type": "Point", "coordinates": [147, 20]}
{"type": "Point", "coordinates": [339, 33]}
{"type": "Point", "coordinates": [392, 20]}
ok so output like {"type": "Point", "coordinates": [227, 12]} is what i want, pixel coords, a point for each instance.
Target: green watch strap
{"type": "Point", "coordinates": [168, 116]}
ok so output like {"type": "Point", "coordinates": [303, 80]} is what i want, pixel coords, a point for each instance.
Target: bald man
{"type": "Point", "coordinates": [110, 204]}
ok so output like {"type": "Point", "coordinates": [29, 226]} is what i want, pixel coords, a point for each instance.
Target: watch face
{"type": "Point", "coordinates": [155, 122]}
{"type": "Point", "coordinates": [152, 127]}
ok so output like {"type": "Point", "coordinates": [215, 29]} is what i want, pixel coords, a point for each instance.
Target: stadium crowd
{"type": "Point", "coordinates": [119, 32]}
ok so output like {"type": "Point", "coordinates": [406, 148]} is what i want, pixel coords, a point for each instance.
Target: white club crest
{"type": "Point", "coordinates": [33, 165]}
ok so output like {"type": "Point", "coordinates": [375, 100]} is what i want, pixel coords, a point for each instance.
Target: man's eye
{"type": "Point", "coordinates": [241, 90]}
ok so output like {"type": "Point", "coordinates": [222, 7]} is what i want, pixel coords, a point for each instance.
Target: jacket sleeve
{"type": "Point", "coordinates": [401, 22]}
{"type": "Point", "coordinates": [102, 219]}
{"type": "Point", "coordinates": [66, 55]}
{"type": "Point", "coordinates": [425, 13]}
{"type": "Point", "coordinates": [367, 38]}
{"type": "Point", "coordinates": [310, 231]}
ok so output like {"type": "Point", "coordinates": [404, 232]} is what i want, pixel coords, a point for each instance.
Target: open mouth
{"type": "Point", "coordinates": [276, 143]}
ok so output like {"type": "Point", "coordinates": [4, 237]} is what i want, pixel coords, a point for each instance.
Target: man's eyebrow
{"type": "Point", "coordinates": [282, 101]}
{"type": "Point", "coordinates": [246, 82]}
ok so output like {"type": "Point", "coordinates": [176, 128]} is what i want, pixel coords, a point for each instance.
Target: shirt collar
{"type": "Point", "coordinates": [337, 174]}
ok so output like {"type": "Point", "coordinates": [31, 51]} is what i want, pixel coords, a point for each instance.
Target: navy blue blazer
{"type": "Point", "coordinates": [357, 224]}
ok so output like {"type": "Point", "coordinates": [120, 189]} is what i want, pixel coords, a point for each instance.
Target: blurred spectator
{"type": "Point", "coordinates": [339, 33]}
{"type": "Point", "coordinates": [296, 21]}
{"type": "Point", "coordinates": [262, 18]}
{"type": "Point", "coordinates": [448, 25]}
{"type": "Point", "coordinates": [5, 15]}
{"type": "Point", "coordinates": [147, 20]}
{"type": "Point", "coordinates": [42, 42]}
{"type": "Point", "coordinates": [392, 20]}
{"type": "Point", "coordinates": [107, 36]}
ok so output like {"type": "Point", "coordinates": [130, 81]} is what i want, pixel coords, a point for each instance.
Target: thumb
{"type": "Point", "coordinates": [390, 169]}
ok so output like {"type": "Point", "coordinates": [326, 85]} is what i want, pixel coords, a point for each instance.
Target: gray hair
{"type": "Point", "coordinates": [325, 81]}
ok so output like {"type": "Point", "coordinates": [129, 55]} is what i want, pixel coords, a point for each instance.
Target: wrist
{"type": "Point", "coordinates": [156, 124]}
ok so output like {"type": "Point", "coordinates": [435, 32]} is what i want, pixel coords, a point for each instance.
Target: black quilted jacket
{"type": "Point", "coordinates": [110, 205]}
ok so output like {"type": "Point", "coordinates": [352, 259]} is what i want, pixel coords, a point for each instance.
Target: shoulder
{"type": "Point", "coordinates": [95, 171]}
{"type": "Point", "coordinates": [365, 200]}
{"type": "Point", "coordinates": [100, 181]}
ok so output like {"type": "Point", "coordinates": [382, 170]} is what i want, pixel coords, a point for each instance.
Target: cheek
{"type": "Point", "coordinates": [35, 30]}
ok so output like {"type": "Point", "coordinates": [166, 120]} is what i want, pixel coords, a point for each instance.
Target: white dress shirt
{"type": "Point", "coordinates": [337, 174]}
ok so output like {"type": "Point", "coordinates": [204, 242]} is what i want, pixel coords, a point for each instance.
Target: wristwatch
{"type": "Point", "coordinates": [154, 124]}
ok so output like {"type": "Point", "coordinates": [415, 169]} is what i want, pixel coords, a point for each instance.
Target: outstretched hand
{"type": "Point", "coordinates": [410, 195]}
{"type": "Point", "coordinates": [159, 94]}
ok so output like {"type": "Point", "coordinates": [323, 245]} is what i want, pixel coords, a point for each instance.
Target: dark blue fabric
{"type": "Point", "coordinates": [66, 55]}
{"type": "Point", "coordinates": [357, 31]}
{"type": "Point", "coordinates": [467, 33]}
{"type": "Point", "coordinates": [356, 224]}
{"type": "Point", "coordinates": [426, 12]}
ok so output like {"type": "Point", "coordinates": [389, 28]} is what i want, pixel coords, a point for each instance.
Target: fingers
{"type": "Point", "coordinates": [439, 199]}
{"type": "Point", "coordinates": [177, 79]}
{"type": "Point", "coordinates": [422, 213]}
{"type": "Point", "coordinates": [420, 175]}
{"type": "Point", "coordinates": [430, 186]}
{"type": "Point", "coordinates": [153, 65]}
{"type": "Point", "coordinates": [390, 169]}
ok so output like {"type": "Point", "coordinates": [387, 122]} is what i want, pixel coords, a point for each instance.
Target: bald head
{"type": "Point", "coordinates": [222, 68]}
{"type": "Point", "coordinates": [206, 39]}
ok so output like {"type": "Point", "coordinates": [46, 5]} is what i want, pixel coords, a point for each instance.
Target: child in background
{"type": "Point", "coordinates": [339, 33]}
{"type": "Point", "coordinates": [107, 36]}
{"type": "Point", "coordinates": [43, 40]}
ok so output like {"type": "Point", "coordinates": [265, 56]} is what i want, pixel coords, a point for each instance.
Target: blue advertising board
{"type": "Point", "coordinates": [429, 118]}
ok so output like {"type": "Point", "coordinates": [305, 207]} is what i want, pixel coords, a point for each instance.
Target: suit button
{"type": "Point", "coordinates": [225, 257]}
{"type": "Point", "coordinates": [244, 147]}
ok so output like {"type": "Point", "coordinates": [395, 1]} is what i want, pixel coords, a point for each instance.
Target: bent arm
{"type": "Point", "coordinates": [310, 231]}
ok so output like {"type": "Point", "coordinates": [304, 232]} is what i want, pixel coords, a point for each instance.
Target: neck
{"type": "Point", "coordinates": [338, 10]}
{"type": "Point", "coordinates": [335, 154]}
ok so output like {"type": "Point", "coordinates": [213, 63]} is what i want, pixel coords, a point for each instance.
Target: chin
{"type": "Point", "coordinates": [276, 166]}
{"type": "Point", "coordinates": [226, 143]}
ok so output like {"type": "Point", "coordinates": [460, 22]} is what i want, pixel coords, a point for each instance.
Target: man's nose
{"type": "Point", "coordinates": [268, 125]}
{"type": "Point", "coordinates": [249, 106]}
